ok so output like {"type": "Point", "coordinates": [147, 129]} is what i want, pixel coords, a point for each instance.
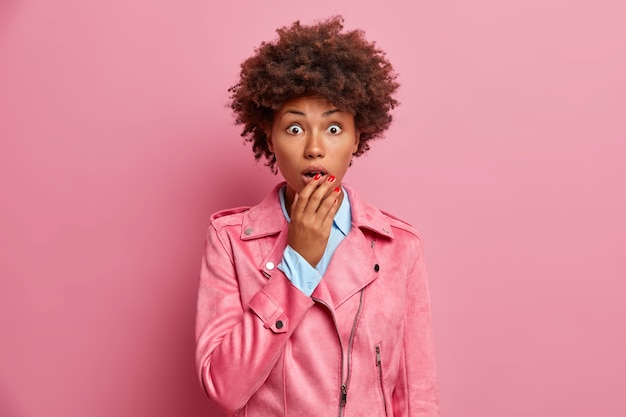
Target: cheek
{"type": "Point", "coordinates": [280, 155]}
{"type": "Point", "coordinates": [283, 162]}
{"type": "Point", "coordinates": [349, 152]}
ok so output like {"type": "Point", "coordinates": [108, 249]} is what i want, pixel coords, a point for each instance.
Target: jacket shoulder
{"type": "Point", "coordinates": [398, 223]}
{"type": "Point", "coordinates": [228, 217]}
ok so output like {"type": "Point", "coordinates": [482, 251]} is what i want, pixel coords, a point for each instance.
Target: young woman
{"type": "Point", "coordinates": [313, 302]}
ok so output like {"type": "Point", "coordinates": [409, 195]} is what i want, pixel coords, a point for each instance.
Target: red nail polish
{"type": "Point", "coordinates": [331, 178]}
{"type": "Point", "coordinates": [337, 189]}
{"type": "Point", "coordinates": [317, 176]}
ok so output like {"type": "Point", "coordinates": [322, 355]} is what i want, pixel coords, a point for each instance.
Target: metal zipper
{"type": "Point", "coordinates": [379, 365]}
{"type": "Point", "coordinates": [350, 343]}
{"type": "Point", "coordinates": [343, 395]}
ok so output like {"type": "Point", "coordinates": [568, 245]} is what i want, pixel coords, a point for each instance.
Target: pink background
{"type": "Point", "coordinates": [508, 153]}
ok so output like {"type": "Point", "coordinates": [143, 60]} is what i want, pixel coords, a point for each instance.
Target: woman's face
{"type": "Point", "coordinates": [309, 135]}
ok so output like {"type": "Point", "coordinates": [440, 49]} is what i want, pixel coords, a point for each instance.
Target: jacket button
{"type": "Point", "coordinates": [376, 268]}
{"type": "Point", "coordinates": [279, 324]}
{"type": "Point", "coordinates": [248, 231]}
{"type": "Point", "coordinates": [269, 265]}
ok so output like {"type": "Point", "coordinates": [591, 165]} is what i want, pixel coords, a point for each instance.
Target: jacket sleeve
{"type": "Point", "coordinates": [238, 345]}
{"type": "Point", "coordinates": [416, 392]}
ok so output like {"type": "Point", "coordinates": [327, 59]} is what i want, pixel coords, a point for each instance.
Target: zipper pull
{"type": "Point", "coordinates": [344, 394]}
{"type": "Point", "coordinates": [378, 355]}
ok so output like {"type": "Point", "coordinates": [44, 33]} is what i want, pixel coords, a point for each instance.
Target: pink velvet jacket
{"type": "Point", "coordinates": [359, 346]}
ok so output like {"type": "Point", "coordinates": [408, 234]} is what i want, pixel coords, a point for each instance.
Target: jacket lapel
{"type": "Point", "coordinates": [354, 263]}
{"type": "Point", "coordinates": [351, 267]}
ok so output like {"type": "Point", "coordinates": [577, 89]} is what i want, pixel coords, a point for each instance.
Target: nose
{"type": "Point", "coordinates": [314, 147]}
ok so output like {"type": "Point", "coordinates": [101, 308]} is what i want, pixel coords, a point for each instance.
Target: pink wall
{"type": "Point", "coordinates": [508, 153]}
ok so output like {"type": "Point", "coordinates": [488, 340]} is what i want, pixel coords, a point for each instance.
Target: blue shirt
{"type": "Point", "coordinates": [296, 268]}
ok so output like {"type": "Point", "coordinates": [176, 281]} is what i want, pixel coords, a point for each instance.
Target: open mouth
{"type": "Point", "coordinates": [312, 174]}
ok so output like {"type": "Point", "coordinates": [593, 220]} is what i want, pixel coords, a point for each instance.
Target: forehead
{"type": "Point", "coordinates": [308, 105]}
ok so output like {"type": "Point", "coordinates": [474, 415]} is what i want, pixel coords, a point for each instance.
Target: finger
{"type": "Point", "coordinates": [294, 202]}
{"type": "Point", "coordinates": [305, 194]}
{"type": "Point", "coordinates": [318, 196]}
{"type": "Point", "coordinates": [329, 207]}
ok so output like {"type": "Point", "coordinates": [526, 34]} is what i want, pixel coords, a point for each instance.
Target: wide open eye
{"type": "Point", "coordinates": [334, 129]}
{"type": "Point", "coordinates": [294, 130]}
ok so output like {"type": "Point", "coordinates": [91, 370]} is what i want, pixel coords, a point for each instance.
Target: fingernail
{"type": "Point", "coordinates": [331, 178]}
{"type": "Point", "coordinates": [317, 176]}
{"type": "Point", "coordinates": [337, 189]}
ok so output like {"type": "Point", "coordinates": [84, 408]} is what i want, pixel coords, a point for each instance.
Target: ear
{"type": "Point", "coordinates": [357, 140]}
{"type": "Point", "coordinates": [270, 146]}
{"type": "Point", "coordinates": [268, 138]}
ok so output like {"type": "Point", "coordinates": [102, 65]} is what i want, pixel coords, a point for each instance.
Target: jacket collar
{"type": "Point", "coordinates": [266, 218]}
{"type": "Point", "coordinates": [366, 216]}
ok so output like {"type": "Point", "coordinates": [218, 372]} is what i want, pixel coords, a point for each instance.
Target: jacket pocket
{"type": "Point", "coordinates": [379, 369]}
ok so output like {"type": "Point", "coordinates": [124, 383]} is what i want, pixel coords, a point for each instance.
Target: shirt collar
{"type": "Point", "coordinates": [343, 217]}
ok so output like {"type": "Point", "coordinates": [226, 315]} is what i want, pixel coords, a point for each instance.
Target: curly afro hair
{"type": "Point", "coordinates": [315, 60]}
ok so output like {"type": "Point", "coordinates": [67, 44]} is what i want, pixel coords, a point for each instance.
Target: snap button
{"type": "Point", "coordinates": [376, 267]}
{"type": "Point", "coordinates": [248, 231]}
{"type": "Point", "coordinates": [269, 265]}
{"type": "Point", "coordinates": [279, 324]}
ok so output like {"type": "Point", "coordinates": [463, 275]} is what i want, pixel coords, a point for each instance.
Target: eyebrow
{"type": "Point", "coordinates": [325, 114]}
